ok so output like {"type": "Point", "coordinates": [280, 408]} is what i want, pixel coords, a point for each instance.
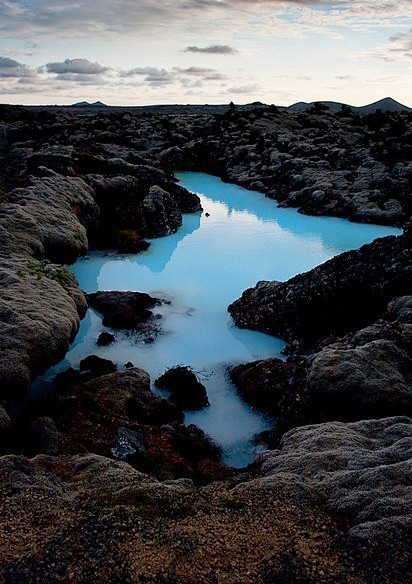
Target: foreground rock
{"type": "Point", "coordinates": [328, 507]}
{"type": "Point", "coordinates": [117, 415]}
{"type": "Point", "coordinates": [361, 471]}
{"type": "Point", "coordinates": [186, 390]}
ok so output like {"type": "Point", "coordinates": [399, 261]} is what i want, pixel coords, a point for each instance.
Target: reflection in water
{"type": "Point", "coordinates": [156, 260]}
{"type": "Point", "coordinates": [201, 269]}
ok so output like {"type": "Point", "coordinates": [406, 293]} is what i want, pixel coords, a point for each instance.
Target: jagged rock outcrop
{"type": "Point", "coordinates": [116, 414]}
{"type": "Point", "coordinates": [343, 294]}
{"type": "Point", "coordinates": [332, 504]}
{"type": "Point", "coordinates": [359, 471]}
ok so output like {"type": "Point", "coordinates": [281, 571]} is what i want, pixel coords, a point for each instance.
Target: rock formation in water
{"type": "Point", "coordinates": [126, 310]}
{"type": "Point", "coordinates": [345, 293]}
{"type": "Point", "coordinates": [114, 413]}
{"type": "Point", "coordinates": [331, 501]}
{"type": "Point", "coordinates": [186, 391]}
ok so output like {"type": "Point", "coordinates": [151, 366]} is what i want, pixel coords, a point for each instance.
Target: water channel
{"type": "Point", "coordinates": [241, 237]}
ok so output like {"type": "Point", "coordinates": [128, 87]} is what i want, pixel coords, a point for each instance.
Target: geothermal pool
{"type": "Point", "coordinates": [241, 237]}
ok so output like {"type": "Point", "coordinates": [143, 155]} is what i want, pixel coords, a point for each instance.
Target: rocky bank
{"type": "Point", "coordinates": [100, 481]}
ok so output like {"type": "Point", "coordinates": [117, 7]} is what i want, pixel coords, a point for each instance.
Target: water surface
{"type": "Point", "coordinates": [241, 237]}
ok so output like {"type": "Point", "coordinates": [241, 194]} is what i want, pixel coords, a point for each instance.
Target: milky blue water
{"type": "Point", "coordinates": [201, 269]}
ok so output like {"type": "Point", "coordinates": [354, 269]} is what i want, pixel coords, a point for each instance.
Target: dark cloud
{"type": "Point", "coordinates": [6, 63]}
{"type": "Point", "coordinates": [75, 66]}
{"type": "Point", "coordinates": [83, 79]}
{"type": "Point", "coordinates": [60, 19]}
{"type": "Point", "coordinates": [212, 50]}
{"type": "Point", "coordinates": [14, 69]}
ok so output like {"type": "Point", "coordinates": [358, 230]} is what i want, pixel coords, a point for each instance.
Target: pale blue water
{"type": "Point", "coordinates": [201, 270]}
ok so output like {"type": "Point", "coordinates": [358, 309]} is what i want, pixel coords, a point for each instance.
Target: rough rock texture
{"type": "Point", "coordinates": [360, 471]}
{"type": "Point", "coordinates": [117, 415]}
{"type": "Point", "coordinates": [127, 310]}
{"type": "Point", "coordinates": [366, 374]}
{"type": "Point", "coordinates": [161, 213]}
{"type": "Point", "coordinates": [145, 204]}
{"type": "Point", "coordinates": [333, 505]}
{"type": "Point", "coordinates": [374, 379]}
{"type": "Point", "coordinates": [40, 302]}
{"type": "Point", "coordinates": [48, 219]}
{"type": "Point", "coordinates": [343, 294]}
{"type": "Point", "coordinates": [186, 390]}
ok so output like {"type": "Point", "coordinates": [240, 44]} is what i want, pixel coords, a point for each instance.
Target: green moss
{"type": "Point", "coordinates": [43, 269]}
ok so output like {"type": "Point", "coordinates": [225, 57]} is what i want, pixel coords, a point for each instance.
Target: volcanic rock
{"type": "Point", "coordinates": [345, 293]}
{"type": "Point", "coordinates": [105, 339]}
{"type": "Point", "coordinates": [186, 390]}
{"type": "Point", "coordinates": [161, 214]}
{"type": "Point", "coordinates": [127, 310]}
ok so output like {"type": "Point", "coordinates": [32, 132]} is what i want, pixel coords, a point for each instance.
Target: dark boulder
{"type": "Point", "coordinates": [186, 201]}
{"type": "Point", "coordinates": [126, 310]}
{"type": "Point", "coordinates": [364, 375]}
{"type": "Point", "coordinates": [97, 366]}
{"type": "Point", "coordinates": [263, 384]}
{"type": "Point", "coordinates": [186, 390]}
{"type": "Point", "coordinates": [105, 339]}
{"type": "Point", "coordinates": [43, 436]}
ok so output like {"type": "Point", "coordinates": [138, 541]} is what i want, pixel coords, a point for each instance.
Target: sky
{"type": "Point", "coordinates": [131, 52]}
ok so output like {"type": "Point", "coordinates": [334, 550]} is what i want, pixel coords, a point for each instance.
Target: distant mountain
{"type": "Point", "coordinates": [386, 104]}
{"type": "Point", "coordinates": [87, 104]}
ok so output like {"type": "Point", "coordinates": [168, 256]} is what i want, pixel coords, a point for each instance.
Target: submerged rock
{"type": "Point", "coordinates": [186, 390]}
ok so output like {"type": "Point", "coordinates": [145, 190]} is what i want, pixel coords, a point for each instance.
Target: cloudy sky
{"type": "Point", "coordinates": [135, 52]}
